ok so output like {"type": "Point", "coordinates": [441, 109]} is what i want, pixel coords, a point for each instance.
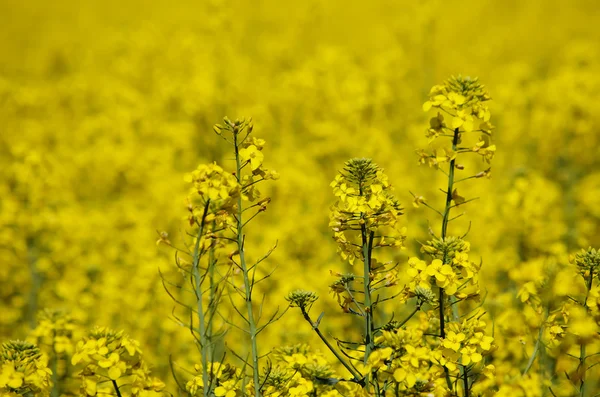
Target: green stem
{"type": "Point", "coordinates": [55, 387]}
{"type": "Point", "coordinates": [443, 334]}
{"type": "Point", "coordinates": [536, 348]}
{"type": "Point", "coordinates": [450, 186]}
{"type": "Point", "coordinates": [445, 220]}
{"type": "Point", "coordinates": [199, 304]}
{"type": "Point", "coordinates": [369, 341]}
{"type": "Point", "coordinates": [247, 284]}
{"type": "Point", "coordinates": [417, 308]}
{"type": "Point", "coordinates": [582, 356]}
{"type": "Point", "coordinates": [212, 303]}
{"type": "Point", "coordinates": [367, 242]}
{"type": "Point", "coordinates": [315, 327]}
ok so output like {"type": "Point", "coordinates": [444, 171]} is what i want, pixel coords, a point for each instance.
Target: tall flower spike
{"type": "Point", "coordinates": [465, 100]}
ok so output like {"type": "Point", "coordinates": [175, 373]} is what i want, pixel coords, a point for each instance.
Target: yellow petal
{"type": "Point", "coordinates": [15, 383]}
{"type": "Point", "coordinates": [457, 122]}
{"type": "Point", "coordinates": [90, 387]}
{"type": "Point", "coordinates": [468, 125]}
{"type": "Point", "coordinates": [114, 373]}
{"type": "Point", "coordinates": [105, 363]}
{"type": "Point", "coordinates": [399, 375]}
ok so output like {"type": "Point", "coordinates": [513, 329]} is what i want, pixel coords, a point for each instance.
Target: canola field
{"type": "Point", "coordinates": [315, 198]}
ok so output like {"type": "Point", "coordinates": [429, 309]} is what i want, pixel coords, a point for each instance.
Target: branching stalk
{"type": "Point", "coordinates": [446, 215]}
{"type": "Point", "coordinates": [337, 355]}
{"type": "Point", "coordinates": [199, 304]}
{"type": "Point", "coordinates": [445, 220]}
{"type": "Point", "coordinates": [212, 305]}
{"type": "Point", "coordinates": [247, 284]}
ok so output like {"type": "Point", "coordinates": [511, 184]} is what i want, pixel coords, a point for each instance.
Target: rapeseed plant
{"type": "Point", "coordinates": [104, 108]}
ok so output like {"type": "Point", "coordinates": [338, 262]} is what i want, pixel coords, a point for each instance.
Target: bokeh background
{"type": "Point", "coordinates": [105, 106]}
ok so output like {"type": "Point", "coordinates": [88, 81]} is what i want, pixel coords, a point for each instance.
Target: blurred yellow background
{"type": "Point", "coordinates": [105, 106]}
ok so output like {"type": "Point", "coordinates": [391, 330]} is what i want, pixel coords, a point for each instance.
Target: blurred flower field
{"type": "Point", "coordinates": [351, 230]}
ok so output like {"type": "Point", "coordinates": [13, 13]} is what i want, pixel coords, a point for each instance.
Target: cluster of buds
{"type": "Point", "coordinates": [445, 249]}
{"type": "Point", "coordinates": [107, 354]}
{"type": "Point", "coordinates": [302, 299]}
{"type": "Point", "coordinates": [23, 370]}
{"type": "Point", "coordinates": [587, 262]}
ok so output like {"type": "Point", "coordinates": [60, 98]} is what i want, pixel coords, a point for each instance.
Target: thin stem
{"type": "Point", "coordinates": [417, 308]}
{"type": "Point", "coordinates": [536, 348]}
{"type": "Point", "coordinates": [450, 186]}
{"type": "Point", "coordinates": [367, 241]}
{"type": "Point", "coordinates": [582, 356]}
{"type": "Point", "coordinates": [445, 220]}
{"type": "Point", "coordinates": [358, 306]}
{"type": "Point", "coordinates": [247, 284]}
{"type": "Point", "coordinates": [369, 342]}
{"type": "Point", "coordinates": [212, 303]}
{"type": "Point", "coordinates": [443, 334]}
{"type": "Point", "coordinates": [315, 327]}
{"type": "Point", "coordinates": [466, 381]}
{"type": "Point", "coordinates": [55, 387]}
{"type": "Point", "coordinates": [199, 304]}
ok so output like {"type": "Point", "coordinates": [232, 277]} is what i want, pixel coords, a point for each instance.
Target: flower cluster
{"type": "Point", "coordinates": [299, 371]}
{"type": "Point", "coordinates": [406, 358]}
{"type": "Point", "coordinates": [464, 99]}
{"type": "Point", "coordinates": [364, 202]}
{"type": "Point", "coordinates": [215, 188]}
{"type": "Point", "coordinates": [23, 370]}
{"type": "Point", "coordinates": [224, 380]}
{"type": "Point", "coordinates": [465, 343]}
{"type": "Point", "coordinates": [55, 331]}
{"type": "Point", "coordinates": [250, 153]}
{"type": "Point", "coordinates": [450, 269]}
{"type": "Point", "coordinates": [112, 362]}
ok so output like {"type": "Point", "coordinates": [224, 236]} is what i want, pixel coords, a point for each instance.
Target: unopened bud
{"type": "Point", "coordinates": [264, 201]}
